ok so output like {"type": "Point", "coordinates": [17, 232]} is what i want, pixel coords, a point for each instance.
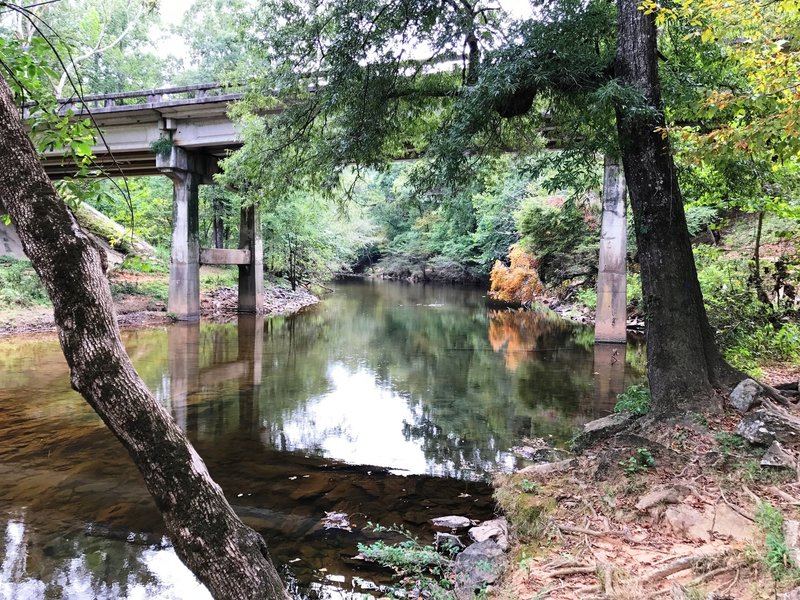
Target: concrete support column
{"type": "Point", "coordinates": [187, 171]}
{"type": "Point", "coordinates": [251, 276]}
{"type": "Point", "coordinates": [611, 319]}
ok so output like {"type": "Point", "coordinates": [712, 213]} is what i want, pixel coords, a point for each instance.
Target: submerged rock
{"type": "Point", "coordinates": [448, 543]}
{"type": "Point", "coordinates": [476, 567]}
{"type": "Point", "coordinates": [452, 522]}
{"type": "Point", "coordinates": [746, 395]}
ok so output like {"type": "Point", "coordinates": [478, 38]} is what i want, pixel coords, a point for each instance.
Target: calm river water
{"type": "Point", "coordinates": [388, 402]}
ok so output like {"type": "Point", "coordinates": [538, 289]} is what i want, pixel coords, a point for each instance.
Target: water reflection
{"type": "Point", "coordinates": [359, 406]}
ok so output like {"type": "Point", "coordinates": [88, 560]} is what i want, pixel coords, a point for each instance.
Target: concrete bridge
{"type": "Point", "coordinates": [191, 124]}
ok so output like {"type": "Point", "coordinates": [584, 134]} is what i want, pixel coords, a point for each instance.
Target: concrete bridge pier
{"type": "Point", "coordinates": [251, 275]}
{"type": "Point", "coordinates": [612, 304]}
{"type": "Point", "coordinates": [187, 170]}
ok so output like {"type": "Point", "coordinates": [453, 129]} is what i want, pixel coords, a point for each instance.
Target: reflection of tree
{"type": "Point", "coordinates": [519, 332]}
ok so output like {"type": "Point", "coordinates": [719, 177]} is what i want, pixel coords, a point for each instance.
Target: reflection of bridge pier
{"type": "Point", "coordinates": [192, 123]}
{"type": "Point", "coordinates": [609, 377]}
{"type": "Point", "coordinates": [188, 378]}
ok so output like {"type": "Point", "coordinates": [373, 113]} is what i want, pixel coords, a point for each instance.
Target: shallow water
{"type": "Point", "coordinates": [390, 403]}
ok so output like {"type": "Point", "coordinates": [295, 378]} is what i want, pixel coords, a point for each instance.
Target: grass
{"type": "Point", "coordinates": [776, 556]}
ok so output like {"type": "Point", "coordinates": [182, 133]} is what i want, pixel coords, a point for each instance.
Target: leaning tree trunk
{"type": "Point", "coordinates": [227, 556]}
{"type": "Point", "coordinates": [683, 362]}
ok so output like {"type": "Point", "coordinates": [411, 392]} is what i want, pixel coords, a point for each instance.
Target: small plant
{"type": "Point", "coordinates": [729, 442]}
{"type": "Point", "coordinates": [162, 146]}
{"type": "Point", "coordinates": [424, 565]}
{"type": "Point", "coordinates": [529, 487]}
{"type": "Point", "coordinates": [635, 400]}
{"type": "Point", "coordinates": [642, 460]}
{"type": "Point", "coordinates": [777, 558]}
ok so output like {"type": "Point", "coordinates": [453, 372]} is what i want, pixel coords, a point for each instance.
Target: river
{"type": "Point", "coordinates": [388, 402]}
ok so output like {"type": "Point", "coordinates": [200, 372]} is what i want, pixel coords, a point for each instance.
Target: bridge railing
{"type": "Point", "coordinates": [194, 93]}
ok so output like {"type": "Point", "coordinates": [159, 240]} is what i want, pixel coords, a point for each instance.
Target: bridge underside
{"type": "Point", "coordinates": [198, 133]}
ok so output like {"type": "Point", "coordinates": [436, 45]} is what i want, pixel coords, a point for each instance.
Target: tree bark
{"type": "Point", "coordinates": [227, 556]}
{"type": "Point", "coordinates": [683, 363]}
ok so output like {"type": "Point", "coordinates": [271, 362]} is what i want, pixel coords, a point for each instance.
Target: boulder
{"type": "Point", "coordinates": [793, 595]}
{"type": "Point", "coordinates": [746, 395]}
{"type": "Point", "coordinates": [452, 522]}
{"type": "Point", "coordinates": [495, 530]}
{"type": "Point", "coordinates": [600, 429]}
{"type": "Point", "coordinates": [777, 456]}
{"type": "Point", "coordinates": [762, 427]}
{"type": "Point", "coordinates": [476, 567]}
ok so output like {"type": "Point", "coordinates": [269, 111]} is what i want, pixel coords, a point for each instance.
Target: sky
{"type": "Point", "coordinates": [172, 12]}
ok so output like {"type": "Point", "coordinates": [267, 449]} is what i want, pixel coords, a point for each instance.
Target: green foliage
{"type": "Point", "coordinates": [139, 264]}
{"type": "Point", "coordinates": [529, 487]}
{"type": "Point", "coordinates": [635, 400]}
{"type": "Point", "coordinates": [729, 442]}
{"type": "Point", "coordinates": [564, 240]}
{"type": "Point", "coordinates": [642, 460]}
{"type": "Point", "coordinates": [157, 290]}
{"type": "Point", "coordinates": [20, 287]}
{"type": "Point", "coordinates": [776, 558]}
{"type": "Point", "coordinates": [421, 564]}
{"type": "Point", "coordinates": [749, 331]}
{"type": "Point", "coordinates": [162, 146]}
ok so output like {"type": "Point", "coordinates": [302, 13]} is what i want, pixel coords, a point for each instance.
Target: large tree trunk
{"type": "Point", "coordinates": [227, 556]}
{"type": "Point", "coordinates": [683, 363]}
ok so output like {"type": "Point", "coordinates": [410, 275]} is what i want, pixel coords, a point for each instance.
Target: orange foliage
{"type": "Point", "coordinates": [518, 283]}
{"type": "Point", "coordinates": [516, 333]}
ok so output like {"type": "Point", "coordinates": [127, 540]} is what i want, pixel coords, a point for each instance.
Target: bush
{"type": "Point", "coordinates": [20, 286]}
{"type": "Point", "coordinates": [635, 400]}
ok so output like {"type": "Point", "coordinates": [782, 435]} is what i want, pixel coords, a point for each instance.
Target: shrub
{"type": "Point", "coordinates": [635, 400]}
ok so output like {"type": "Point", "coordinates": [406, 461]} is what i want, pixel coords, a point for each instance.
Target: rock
{"type": "Point", "coordinates": [451, 522]}
{"type": "Point", "coordinates": [793, 595]}
{"type": "Point", "coordinates": [495, 530]}
{"type": "Point", "coordinates": [476, 567]}
{"type": "Point", "coordinates": [762, 427]}
{"type": "Point", "coordinates": [448, 543]}
{"type": "Point", "coordinates": [719, 521]}
{"type": "Point", "coordinates": [746, 395]}
{"type": "Point", "coordinates": [549, 455]}
{"type": "Point", "coordinates": [547, 468]}
{"type": "Point", "coordinates": [778, 456]}
{"type": "Point", "coordinates": [667, 495]}
{"type": "Point", "coordinates": [688, 521]}
{"type": "Point", "coordinates": [600, 429]}
{"type": "Point", "coordinates": [791, 535]}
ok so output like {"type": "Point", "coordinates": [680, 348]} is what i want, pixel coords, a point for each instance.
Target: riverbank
{"type": "Point", "coordinates": [704, 507]}
{"type": "Point", "coordinates": [140, 301]}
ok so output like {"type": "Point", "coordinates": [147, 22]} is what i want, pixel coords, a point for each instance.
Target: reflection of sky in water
{"type": "Point", "coordinates": [357, 421]}
{"type": "Point", "coordinates": [74, 580]}
{"type": "Point", "coordinates": [360, 421]}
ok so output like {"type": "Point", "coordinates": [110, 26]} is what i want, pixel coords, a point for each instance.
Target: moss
{"type": "Point", "coordinates": [525, 511]}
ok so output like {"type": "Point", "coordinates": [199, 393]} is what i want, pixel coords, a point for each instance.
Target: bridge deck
{"type": "Point", "coordinates": [194, 116]}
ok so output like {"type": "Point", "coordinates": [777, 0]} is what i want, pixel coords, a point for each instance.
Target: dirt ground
{"type": "Point", "coordinates": [136, 310]}
{"type": "Point", "coordinates": [695, 522]}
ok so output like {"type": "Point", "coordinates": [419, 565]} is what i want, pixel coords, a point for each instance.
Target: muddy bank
{"type": "Point", "coordinates": [143, 311]}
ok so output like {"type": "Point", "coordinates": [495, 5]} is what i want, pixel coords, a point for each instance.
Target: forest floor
{"type": "Point", "coordinates": [140, 301]}
{"type": "Point", "coordinates": [687, 510]}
